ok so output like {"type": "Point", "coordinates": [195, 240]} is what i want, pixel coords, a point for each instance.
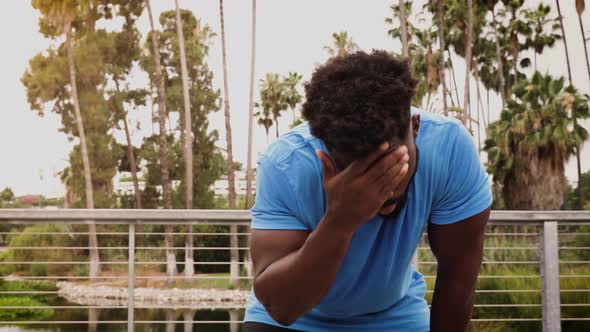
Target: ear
{"type": "Point", "coordinates": [415, 125]}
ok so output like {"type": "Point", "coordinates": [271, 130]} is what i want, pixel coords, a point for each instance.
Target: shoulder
{"type": "Point", "coordinates": [440, 130]}
{"type": "Point", "coordinates": [444, 145]}
{"type": "Point", "coordinates": [293, 154]}
{"type": "Point", "coordinates": [439, 140]}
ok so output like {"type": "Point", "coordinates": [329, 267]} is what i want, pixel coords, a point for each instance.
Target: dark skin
{"type": "Point", "coordinates": [296, 269]}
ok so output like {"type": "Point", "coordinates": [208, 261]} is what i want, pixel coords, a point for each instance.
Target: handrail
{"type": "Point", "coordinates": [183, 216]}
{"type": "Point", "coordinates": [547, 245]}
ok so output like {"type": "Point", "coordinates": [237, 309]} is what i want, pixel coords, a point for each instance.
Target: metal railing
{"type": "Point", "coordinates": [537, 235]}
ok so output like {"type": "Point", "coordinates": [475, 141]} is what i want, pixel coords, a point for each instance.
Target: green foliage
{"type": "Point", "coordinates": [26, 238]}
{"type": "Point", "coordinates": [572, 199]}
{"type": "Point", "coordinates": [208, 162]}
{"type": "Point", "coordinates": [24, 314]}
{"type": "Point", "coordinates": [424, 59]}
{"type": "Point", "coordinates": [342, 44]}
{"type": "Point", "coordinates": [98, 55]}
{"type": "Point", "coordinates": [537, 121]}
{"type": "Point", "coordinates": [6, 195]}
{"type": "Point", "coordinates": [277, 94]}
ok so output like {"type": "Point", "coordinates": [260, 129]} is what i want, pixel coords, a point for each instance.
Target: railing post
{"type": "Point", "coordinates": [131, 279]}
{"type": "Point", "coordinates": [550, 277]}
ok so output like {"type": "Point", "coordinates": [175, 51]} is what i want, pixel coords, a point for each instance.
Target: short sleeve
{"type": "Point", "coordinates": [276, 204]}
{"type": "Point", "coordinates": [464, 188]}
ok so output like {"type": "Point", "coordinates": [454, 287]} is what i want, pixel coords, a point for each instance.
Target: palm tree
{"type": "Point", "coordinates": [117, 107]}
{"type": "Point", "coordinates": [499, 59]}
{"type": "Point", "coordinates": [189, 268]}
{"type": "Point", "coordinates": [168, 238]}
{"type": "Point", "coordinates": [569, 73]}
{"type": "Point", "coordinates": [234, 255]}
{"type": "Point", "coordinates": [528, 146]}
{"type": "Point", "coordinates": [249, 175]}
{"type": "Point", "coordinates": [292, 95]}
{"type": "Point", "coordinates": [539, 38]}
{"type": "Point", "coordinates": [273, 97]}
{"type": "Point", "coordinates": [342, 45]}
{"type": "Point", "coordinates": [61, 14]}
{"type": "Point", "coordinates": [580, 6]}
{"type": "Point", "coordinates": [441, 40]}
{"type": "Point", "coordinates": [468, 45]}
{"type": "Point", "coordinates": [403, 26]}
{"type": "Point", "coordinates": [264, 118]}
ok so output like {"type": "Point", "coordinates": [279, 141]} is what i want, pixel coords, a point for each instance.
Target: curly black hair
{"type": "Point", "coordinates": [356, 102]}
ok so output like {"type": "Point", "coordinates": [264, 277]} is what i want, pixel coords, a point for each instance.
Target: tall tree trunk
{"type": "Point", "coordinates": [580, 191]}
{"type": "Point", "coordinates": [234, 253]}
{"type": "Point", "coordinates": [479, 98]}
{"type": "Point", "coordinates": [249, 173]}
{"type": "Point", "coordinates": [569, 73]}
{"type": "Point", "coordinates": [584, 43]}
{"type": "Point", "coordinates": [499, 60]}
{"type": "Point", "coordinates": [453, 76]}
{"type": "Point", "coordinates": [403, 20]}
{"type": "Point", "coordinates": [189, 267]}
{"type": "Point", "coordinates": [130, 153]}
{"type": "Point", "coordinates": [467, 59]}
{"type": "Point", "coordinates": [133, 165]}
{"type": "Point", "coordinates": [536, 184]}
{"type": "Point", "coordinates": [92, 239]}
{"type": "Point", "coordinates": [441, 39]}
{"type": "Point", "coordinates": [167, 197]}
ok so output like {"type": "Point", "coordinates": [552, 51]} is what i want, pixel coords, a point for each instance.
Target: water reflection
{"type": "Point", "coordinates": [179, 320]}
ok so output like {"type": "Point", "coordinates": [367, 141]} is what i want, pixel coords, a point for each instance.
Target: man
{"type": "Point", "coordinates": [343, 200]}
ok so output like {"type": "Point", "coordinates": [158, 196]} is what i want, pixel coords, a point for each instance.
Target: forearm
{"type": "Point", "coordinates": [452, 301]}
{"type": "Point", "coordinates": [295, 284]}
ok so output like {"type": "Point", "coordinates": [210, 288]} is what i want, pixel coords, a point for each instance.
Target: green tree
{"type": "Point", "coordinates": [544, 29]}
{"type": "Point", "coordinates": [121, 98]}
{"type": "Point", "coordinates": [424, 61]}
{"type": "Point", "coordinates": [188, 153]}
{"type": "Point", "coordinates": [6, 195]}
{"type": "Point", "coordinates": [234, 267]}
{"type": "Point", "coordinates": [342, 45]}
{"type": "Point", "coordinates": [163, 141]}
{"type": "Point", "coordinates": [208, 162]}
{"type": "Point", "coordinates": [59, 15]}
{"type": "Point", "coordinates": [529, 145]}
{"type": "Point", "coordinates": [569, 73]}
{"type": "Point", "coordinates": [70, 81]}
{"type": "Point", "coordinates": [572, 199]}
{"type": "Point", "coordinates": [292, 95]}
{"type": "Point", "coordinates": [273, 98]}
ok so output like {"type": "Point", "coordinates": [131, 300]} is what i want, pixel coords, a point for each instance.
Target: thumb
{"type": "Point", "coordinates": [327, 165]}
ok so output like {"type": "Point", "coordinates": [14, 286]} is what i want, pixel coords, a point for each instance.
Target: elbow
{"type": "Point", "coordinates": [285, 315]}
{"type": "Point", "coordinates": [285, 320]}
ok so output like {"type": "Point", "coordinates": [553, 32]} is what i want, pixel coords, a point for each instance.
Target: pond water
{"type": "Point", "coordinates": [173, 320]}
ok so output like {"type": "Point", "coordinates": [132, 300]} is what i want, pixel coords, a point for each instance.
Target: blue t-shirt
{"type": "Point", "coordinates": [376, 288]}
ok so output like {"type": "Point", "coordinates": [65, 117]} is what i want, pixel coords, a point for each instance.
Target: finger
{"type": "Point", "coordinates": [386, 177]}
{"type": "Point", "coordinates": [390, 186]}
{"type": "Point", "coordinates": [358, 167]}
{"type": "Point", "coordinates": [400, 155]}
{"type": "Point", "coordinates": [329, 170]}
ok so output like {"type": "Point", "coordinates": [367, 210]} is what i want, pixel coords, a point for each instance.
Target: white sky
{"type": "Point", "coordinates": [290, 37]}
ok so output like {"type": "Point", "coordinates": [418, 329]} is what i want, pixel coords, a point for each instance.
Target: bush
{"type": "Point", "coordinates": [27, 238]}
{"type": "Point", "coordinates": [25, 313]}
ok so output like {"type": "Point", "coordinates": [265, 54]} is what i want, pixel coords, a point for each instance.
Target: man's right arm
{"type": "Point", "coordinates": [295, 269]}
